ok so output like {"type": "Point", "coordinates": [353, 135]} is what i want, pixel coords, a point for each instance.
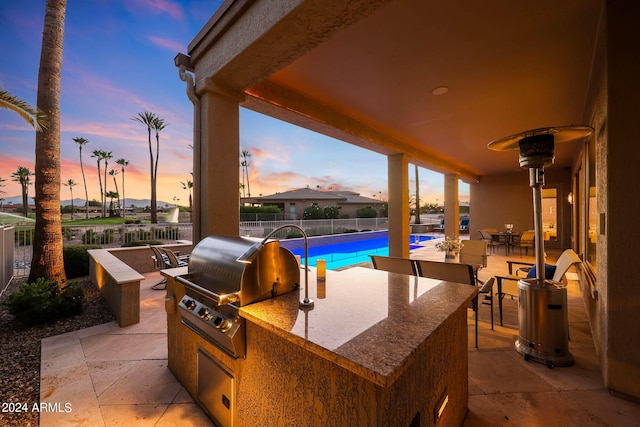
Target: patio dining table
{"type": "Point", "coordinates": [505, 236]}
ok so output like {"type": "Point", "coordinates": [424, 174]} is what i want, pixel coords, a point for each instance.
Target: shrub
{"type": "Point", "coordinates": [90, 237]}
{"type": "Point", "coordinates": [76, 260]}
{"type": "Point", "coordinates": [69, 233]}
{"type": "Point", "coordinates": [332, 212]}
{"type": "Point", "coordinates": [107, 236]}
{"type": "Point", "coordinates": [367, 212]}
{"type": "Point", "coordinates": [313, 212]}
{"type": "Point", "coordinates": [45, 302]}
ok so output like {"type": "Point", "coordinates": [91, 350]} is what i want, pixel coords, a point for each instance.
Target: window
{"type": "Point", "coordinates": [550, 214]}
{"type": "Point", "coordinates": [591, 208]}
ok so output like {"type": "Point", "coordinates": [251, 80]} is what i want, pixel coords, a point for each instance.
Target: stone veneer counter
{"type": "Point", "coordinates": [377, 349]}
{"type": "Point", "coordinates": [368, 321]}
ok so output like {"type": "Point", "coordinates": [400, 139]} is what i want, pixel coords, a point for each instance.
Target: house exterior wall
{"type": "Point", "coordinates": [348, 209]}
{"type": "Point", "coordinates": [616, 310]}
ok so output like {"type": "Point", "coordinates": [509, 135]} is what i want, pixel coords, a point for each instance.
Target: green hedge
{"type": "Point", "coordinates": [45, 302]}
{"type": "Point", "coordinates": [76, 260]}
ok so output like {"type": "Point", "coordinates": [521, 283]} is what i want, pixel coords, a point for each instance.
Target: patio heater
{"type": "Point", "coordinates": [542, 303]}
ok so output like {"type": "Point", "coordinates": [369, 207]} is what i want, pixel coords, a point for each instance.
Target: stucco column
{"type": "Point", "coordinates": [398, 182]}
{"type": "Point", "coordinates": [216, 202]}
{"type": "Point", "coordinates": [451, 205]}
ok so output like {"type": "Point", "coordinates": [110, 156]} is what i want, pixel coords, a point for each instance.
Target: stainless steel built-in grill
{"type": "Point", "coordinates": [218, 284]}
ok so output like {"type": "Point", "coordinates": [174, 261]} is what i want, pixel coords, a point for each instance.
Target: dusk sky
{"type": "Point", "coordinates": [118, 62]}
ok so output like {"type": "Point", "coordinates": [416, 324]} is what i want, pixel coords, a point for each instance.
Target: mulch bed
{"type": "Point", "coordinates": [20, 352]}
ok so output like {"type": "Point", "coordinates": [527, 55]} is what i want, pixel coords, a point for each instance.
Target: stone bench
{"type": "Point", "coordinates": [118, 283]}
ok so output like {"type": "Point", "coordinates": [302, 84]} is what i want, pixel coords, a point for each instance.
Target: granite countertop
{"type": "Point", "coordinates": [368, 321]}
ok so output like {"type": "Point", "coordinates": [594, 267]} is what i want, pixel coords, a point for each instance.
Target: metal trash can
{"type": "Point", "coordinates": [544, 322]}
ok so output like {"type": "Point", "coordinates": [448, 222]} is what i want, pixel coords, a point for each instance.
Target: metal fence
{"type": "Point", "coordinates": [6, 256]}
{"type": "Point", "coordinates": [107, 236]}
{"type": "Point", "coordinates": [313, 227]}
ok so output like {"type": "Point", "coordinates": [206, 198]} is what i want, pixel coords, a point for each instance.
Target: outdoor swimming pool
{"type": "Point", "coordinates": [342, 254]}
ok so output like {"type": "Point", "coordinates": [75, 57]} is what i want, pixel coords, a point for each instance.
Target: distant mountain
{"type": "Point", "coordinates": [139, 203]}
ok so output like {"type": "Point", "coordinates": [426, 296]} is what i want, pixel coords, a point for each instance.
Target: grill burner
{"type": "Point", "coordinates": [217, 285]}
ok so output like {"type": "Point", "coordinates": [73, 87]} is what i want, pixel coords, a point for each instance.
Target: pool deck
{"type": "Point", "coordinates": [113, 376]}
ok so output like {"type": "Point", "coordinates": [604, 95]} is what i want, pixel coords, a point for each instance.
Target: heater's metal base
{"type": "Point", "coordinates": [522, 347]}
{"type": "Point", "coordinates": [544, 322]}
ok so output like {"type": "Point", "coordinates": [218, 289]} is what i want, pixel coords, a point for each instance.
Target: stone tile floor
{"type": "Point", "coordinates": [115, 376]}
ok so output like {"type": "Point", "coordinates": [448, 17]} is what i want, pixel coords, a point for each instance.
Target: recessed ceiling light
{"type": "Point", "coordinates": [440, 90]}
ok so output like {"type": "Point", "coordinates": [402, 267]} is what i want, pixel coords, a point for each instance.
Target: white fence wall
{"type": "Point", "coordinates": [19, 247]}
{"type": "Point", "coordinates": [6, 256]}
{"type": "Point", "coordinates": [313, 227]}
{"type": "Point", "coordinates": [107, 236]}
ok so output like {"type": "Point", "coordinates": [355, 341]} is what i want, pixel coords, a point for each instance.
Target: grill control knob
{"type": "Point", "coordinates": [204, 313]}
{"type": "Point", "coordinates": [190, 304]}
{"type": "Point", "coordinates": [223, 324]}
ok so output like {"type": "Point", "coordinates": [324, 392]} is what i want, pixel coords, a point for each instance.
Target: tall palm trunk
{"type": "Point", "coordinates": [47, 261]}
{"type": "Point", "coordinates": [105, 156]}
{"type": "Point", "coordinates": [81, 142]}
{"type": "Point", "coordinates": [86, 193]}
{"type": "Point", "coordinates": [98, 155]}
{"type": "Point", "coordinates": [123, 163]}
{"type": "Point", "coordinates": [124, 201]}
{"type": "Point", "coordinates": [417, 220]}
{"type": "Point", "coordinates": [24, 186]}
{"type": "Point", "coordinates": [154, 181]}
{"type": "Point", "coordinates": [104, 201]}
{"type": "Point", "coordinates": [151, 121]}
{"type": "Point", "coordinates": [113, 173]}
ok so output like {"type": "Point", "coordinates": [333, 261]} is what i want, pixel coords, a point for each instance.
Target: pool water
{"type": "Point", "coordinates": [343, 254]}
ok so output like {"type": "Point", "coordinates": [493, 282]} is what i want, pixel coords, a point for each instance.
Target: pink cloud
{"type": "Point", "coordinates": [161, 6]}
{"type": "Point", "coordinates": [170, 45]}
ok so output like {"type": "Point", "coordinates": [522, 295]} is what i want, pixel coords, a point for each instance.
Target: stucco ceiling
{"type": "Point", "coordinates": [509, 66]}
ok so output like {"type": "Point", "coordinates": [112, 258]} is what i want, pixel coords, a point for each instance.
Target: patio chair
{"type": "Point", "coordinates": [524, 240]}
{"type": "Point", "coordinates": [160, 261]}
{"type": "Point", "coordinates": [174, 260]}
{"type": "Point", "coordinates": [451, 272]}
{"type": "Point", "coordinates": [439, 227]}
{"type": "Point", "coordinates": [464, 224]}
{"type": "Point", "coordinates": [474, 252]}
{"type": "Point", "coordinates": [394, 264]}
{"type": "Point", "coordinates": [485, 234]}
{"type": "Point", "coordinates": [508, 284]}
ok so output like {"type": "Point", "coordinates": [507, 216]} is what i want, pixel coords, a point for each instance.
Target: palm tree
{"type": "Point", "coordinates": [23, 177]}
{"type": "Point", "coordinates": [30, 115]}
{"type": "Point", "coordinates": [417, 220]}
{"type": "Point", "coordinates": [82, 141]}
{"type": "Point", "coordinates": [112, 195]}
{"type": "Point", "coordinates": [47, 261]}
{"type": "Point", "coordinates": [98, 154]}
{"type": "Point", "coordinates": [188, 186]}
{"type": "Point", "coordinates": [106, 155]}
{"type": "Point", "coordinates": [113, 173]}
{"type": "Point", "coordinates": [245, 166]}
{"type": "Point", "coordinates": [152, 122]}
{"type": "Point", "coordinates": [123, 163]}
{"type": "Point", "coordinates": [70, 183]}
